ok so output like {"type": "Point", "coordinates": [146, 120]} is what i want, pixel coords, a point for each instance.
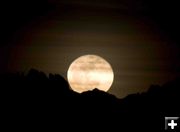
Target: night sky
{"type": "Point", "coordinates": [138, 38]}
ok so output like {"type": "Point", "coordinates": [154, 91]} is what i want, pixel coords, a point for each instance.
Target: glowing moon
{"type": "Point", "coordinates": [88, 72]}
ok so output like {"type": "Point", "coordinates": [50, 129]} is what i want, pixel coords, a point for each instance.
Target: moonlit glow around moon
{"type": "Point", "coordinates": [88, 72]}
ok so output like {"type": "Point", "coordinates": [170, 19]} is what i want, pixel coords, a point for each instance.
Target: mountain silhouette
{"type": "Point", "coordinates": [38, 102]}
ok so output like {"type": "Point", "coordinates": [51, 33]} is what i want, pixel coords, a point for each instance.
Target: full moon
{"type": "Point", "coordinates": [88, 72]}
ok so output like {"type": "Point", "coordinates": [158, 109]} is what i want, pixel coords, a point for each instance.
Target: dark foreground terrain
{"type": "Point", "coordinates": [40, 103]}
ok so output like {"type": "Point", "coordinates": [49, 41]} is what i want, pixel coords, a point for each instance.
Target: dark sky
{"type": "Point", "coordinates": [138, 38]}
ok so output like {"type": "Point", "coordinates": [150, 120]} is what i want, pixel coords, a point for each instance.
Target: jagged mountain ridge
{"type": "Point", "coordinates": [36, 97]}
